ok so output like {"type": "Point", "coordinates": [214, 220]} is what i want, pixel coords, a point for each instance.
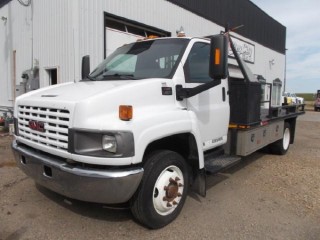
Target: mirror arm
{"type": "Point", "coordinates": [182, 93]}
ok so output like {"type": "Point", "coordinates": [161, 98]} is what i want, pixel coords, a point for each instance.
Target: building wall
{"type": "Point", "coordinates": [15, 35]}
{"type": "Point", "coordinates": [55, 39]}
{"type": "Point", "coordinates": [64, 31]}
{"type": "Point", "coordinates": [159, 14]}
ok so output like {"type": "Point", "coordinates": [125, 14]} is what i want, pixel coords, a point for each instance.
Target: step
{"type": "Point", "coordinates": [216, 164]}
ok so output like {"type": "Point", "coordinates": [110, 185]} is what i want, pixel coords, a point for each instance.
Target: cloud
{"type": "Point", "coordinates": [303, 40]}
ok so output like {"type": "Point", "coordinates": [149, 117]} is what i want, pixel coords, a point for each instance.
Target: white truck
{"type": "Point", "coordinates": [147, 125]}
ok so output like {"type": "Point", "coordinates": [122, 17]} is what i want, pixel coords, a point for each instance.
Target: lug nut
{"type": "Point", "coordinates": [172, 181]}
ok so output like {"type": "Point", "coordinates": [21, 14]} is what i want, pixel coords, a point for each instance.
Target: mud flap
{"type": "Point", "coordinates": [199, 183]}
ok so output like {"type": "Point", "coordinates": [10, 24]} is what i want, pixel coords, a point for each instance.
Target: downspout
{"type": "Point", "coordinates": [32, 64]}
{"type": "Point", "coordinates": [11, 56]}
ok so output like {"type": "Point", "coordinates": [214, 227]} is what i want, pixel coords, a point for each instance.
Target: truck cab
{"type": "Point", "coordinates": [144, 126]}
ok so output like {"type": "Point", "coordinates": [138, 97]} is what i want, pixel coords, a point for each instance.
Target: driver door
{"type": "Point", "coordinates": [212, 106]}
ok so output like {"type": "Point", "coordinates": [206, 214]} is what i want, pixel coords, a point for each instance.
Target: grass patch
{"type": "Point", "coordinates": [306, 96]}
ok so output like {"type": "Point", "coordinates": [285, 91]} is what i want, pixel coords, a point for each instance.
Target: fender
{"type": "Point", "coordinates": [179, 122]}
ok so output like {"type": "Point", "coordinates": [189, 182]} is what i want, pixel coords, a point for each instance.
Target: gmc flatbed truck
{"type": "Point", "coordinates": [147, 125]}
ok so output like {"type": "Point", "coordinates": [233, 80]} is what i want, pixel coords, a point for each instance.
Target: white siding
{"type": "Point", "coordinates": [15, 35]}
{"type": "Point", "coordinates": [54, 36]}
{"type": "Point", "coordinates": [64, 31]}
{"type": "Point", "coordinates": [155, 13]}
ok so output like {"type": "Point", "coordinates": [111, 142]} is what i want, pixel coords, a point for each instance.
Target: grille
{"type": "Point", "coordinates": [55, 122]}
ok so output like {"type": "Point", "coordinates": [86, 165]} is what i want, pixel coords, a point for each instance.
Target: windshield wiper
{"type": "Point", "coordinates": [121, 76]}
{"type": "Point", "coordinates": [91, 78]}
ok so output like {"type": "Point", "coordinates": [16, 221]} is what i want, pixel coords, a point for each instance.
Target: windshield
{"type": "Point", "coordinates": [140, 60]}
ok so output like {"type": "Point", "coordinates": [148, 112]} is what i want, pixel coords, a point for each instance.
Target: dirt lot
{"type": "Point", "coordinates": [263, 197]}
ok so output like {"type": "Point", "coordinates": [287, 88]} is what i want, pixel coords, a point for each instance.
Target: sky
{"type": "Point", "coordinates": [302, 19]}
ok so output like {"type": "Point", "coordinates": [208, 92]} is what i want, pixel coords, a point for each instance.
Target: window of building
{"type": "Point", "coordinates": [133, 27]}
{"type": "Point", "coordinates": [52, 76]}
{"type": "Point", "coordinates": [120, 31]}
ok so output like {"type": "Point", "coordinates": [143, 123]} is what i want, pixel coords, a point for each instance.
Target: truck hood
{"type": "Point", "coordinates": [75, 92]}
{"type": "Point", "coordinates": [95, 104]}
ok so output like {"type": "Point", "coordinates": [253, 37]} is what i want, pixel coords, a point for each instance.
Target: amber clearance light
{"type": "Point", "coordinates": [125, 112]}
{"type": "Point", "coordinates": [217, 56]}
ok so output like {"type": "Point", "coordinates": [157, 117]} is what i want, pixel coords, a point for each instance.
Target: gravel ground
{"type": "Point", "coordinates": [263, 197]}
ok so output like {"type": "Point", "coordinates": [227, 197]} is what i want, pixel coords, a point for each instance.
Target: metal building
{"type": "Point", "coordinates": [45, 39]}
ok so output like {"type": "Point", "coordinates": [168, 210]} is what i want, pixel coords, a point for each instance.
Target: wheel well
{"type": "Point", "coordinates": [184, 144]}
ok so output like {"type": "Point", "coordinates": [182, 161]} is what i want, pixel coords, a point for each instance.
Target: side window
{"type": "Point", "coordinates": [196, 68]}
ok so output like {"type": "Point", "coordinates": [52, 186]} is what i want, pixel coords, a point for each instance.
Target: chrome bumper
{"type": "Point", "coordinates": [91, 185]}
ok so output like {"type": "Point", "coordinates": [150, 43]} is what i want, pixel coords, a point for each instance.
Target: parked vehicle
{"type": "Point", "coordinates": [317, 101]}
{"type": "Point", "coordinates": [287, 99]}
{"type": "Point", "coordinates": [297, 100]}
{"type": "Point", "coordinates": [291, 98]}
{"type": "Point", "coordinates": [147, 125]}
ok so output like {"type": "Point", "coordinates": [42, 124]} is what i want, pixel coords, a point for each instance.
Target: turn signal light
{"type": "Point", "coordinates": [217, 56]}
{"type": "Point", "coordinates": [125, 112]}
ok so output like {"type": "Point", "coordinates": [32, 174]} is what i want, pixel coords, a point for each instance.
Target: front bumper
{"type": "Point", "coordinates": [77, 182]}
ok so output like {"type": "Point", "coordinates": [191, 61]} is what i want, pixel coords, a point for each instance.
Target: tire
{"type": "Point", "coordinates": [163, 190]}
{"type": "Point", "coordinates": [281, 146]}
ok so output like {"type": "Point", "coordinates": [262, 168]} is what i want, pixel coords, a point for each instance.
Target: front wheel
{"type": "Point", "coordinates": [163, 189]}
{"type": "Point", "coordinates": [281, 146]}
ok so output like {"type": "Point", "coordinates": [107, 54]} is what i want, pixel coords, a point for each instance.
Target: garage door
{"type": "Point", "coordinates": [116, 38]}
{"type": "Point", "coordinates": [120, 31]}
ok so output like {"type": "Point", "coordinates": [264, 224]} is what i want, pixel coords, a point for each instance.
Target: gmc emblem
{"type": "Point", "coordinates": [36, 126]}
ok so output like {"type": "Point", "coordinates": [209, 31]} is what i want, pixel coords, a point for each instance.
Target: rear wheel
{"type": "Point", "coordinates": [281, 146]}
{"type": "Point", "coordinates": [163, 190]}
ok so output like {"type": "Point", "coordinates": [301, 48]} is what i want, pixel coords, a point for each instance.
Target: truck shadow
{"type": "Point", "coordinates": [112, 213]}
{"type": "Point", "coordinates": [121, 213]}
{"type": "Point", "coordinates": [225, 174]}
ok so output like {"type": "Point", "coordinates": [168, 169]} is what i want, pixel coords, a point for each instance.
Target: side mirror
{"type": "Point", "coordinates": [85, 68]}
{"type": "Point", "coordinates": [218, 68]}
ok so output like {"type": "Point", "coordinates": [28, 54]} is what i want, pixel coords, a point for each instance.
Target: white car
{"type": "Point", "coordinates": [287, 99]}
{"type": "Point", "coordinates": [296, 99]}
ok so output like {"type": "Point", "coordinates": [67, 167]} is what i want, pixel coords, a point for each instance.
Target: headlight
{"type": "Point", "coordinates": [109, 143]}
